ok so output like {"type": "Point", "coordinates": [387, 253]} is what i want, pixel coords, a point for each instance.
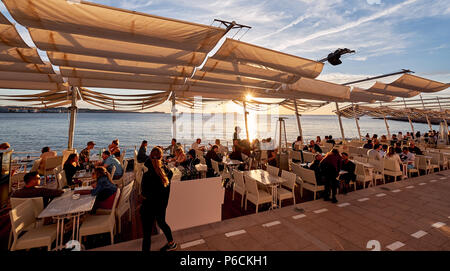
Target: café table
{"type": "Point", "coordinates": [66, 207]}
{"type": "Point", "coordinates": [84, 176]}
{"type": "Point", "coordinates": [263, 177]}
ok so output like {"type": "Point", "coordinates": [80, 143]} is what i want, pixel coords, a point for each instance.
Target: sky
{"type": "Point", "coordinates": [387, 35]}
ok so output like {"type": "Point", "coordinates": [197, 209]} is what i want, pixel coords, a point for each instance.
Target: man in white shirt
{"type": "Point", "coordinates": [375, 152]}
{"type": "Point", "coordinates": [383, 150]}
{"type": "Point", "coordinates": [408, 157]}
{"type": "Point", "coordinates": [196, 145]}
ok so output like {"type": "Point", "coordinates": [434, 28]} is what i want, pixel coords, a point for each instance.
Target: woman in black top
{"type": "Point", "coordinates": [156, 190]}
{"type": "Point", "coordinates": [70, 167]}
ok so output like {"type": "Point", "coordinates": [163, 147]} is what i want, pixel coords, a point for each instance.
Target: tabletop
{"type": "Point", "coordinates": [82, 174]}
{"type": "Point", "coordinates": [232, 162]}
{"type": "Point", "coordinates": [264, 177]}
{"type": "Point", "coordinates": [66, 205]}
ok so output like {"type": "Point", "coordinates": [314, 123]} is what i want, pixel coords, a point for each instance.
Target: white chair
{"type": "Point", "coordinates": [16, 179]}
{"type": "Point", "coordinates": [239, 185]}
{"type": "Point", "coordinates": [36, 164]}
{"type": "Point", "coordinates": [308, 157]}
{"type": "Point", "coordinates": [424, 164]}
{"type": "Point", "coordinates": [225, 174]}
{"type": "Point", "coordinates": [308, 180]}
{"type": "Point", "coordinates": [287, 189]}
{"type": "Point", "coordinates": [254, 194]}
{"type": "Point", "coordinates": [121, 182]}
{"type": "Point", "coordinates": [378, 171]}
{"type": "Point", "coordinates": [38, 206]}
{"type": "Point", "coordinates": [50, 164]}
{"type": "Point", "coordinates": [273, 170]}
{"type": "Point", "coordinates": [435, 162]}
{"type": "Point", "coordinates": [122, 207]}
{"type": "Point", "coordinates": [122, 155]}
{"type": "Point", "coordinates": [415, 169]}
{"type": "Point", "coordinates": [95, 224]}
{"type": "Point", "coordinates": [363, 176]}
{"type": "Point", "coordinates": [391, 168]}
{"type": "Point", "coordinates": [296, 155]}
{"type": "Point", "coordinates": [22, 218]}
{"type": "Point", "coordinates": [61, 178]}
{"type": "Point", "coordinates": [111, 175]}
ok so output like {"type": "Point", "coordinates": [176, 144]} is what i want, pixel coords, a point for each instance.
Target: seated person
{"type": "Point", "coordinates": [46, 153]}
{"type": "Point", "coordinates": [103, 189]}
{"type": "Point", "coordinates": [331, 140]}
{"type": "Point", "coordinates": [196, 145]}
{"type": "Point", "coordinates": [85, 154]}
{"type": "Point", "coordinates": [350, 167]}
{"type": "Point", "coordinates": [70, 167]}
{"type": "Point", "coordinates": [368, 145]}
{"type": "Point", "coordinates": [222, 149]}
{"type": "Point", "coordinates": [298, 145]}
{"type": "Point", "coordinates": [398, 148]}
{"type": "Point", "coordinates": [383, 139]}
{"type": "Point", "coordinates": [313, 147]}
{"type": "Point", "coordinates": [114, 147]}
{"type": "Point", "coordinates": [109, 161]}
{"type": "Point", "coordinates": [142, 154]}
{"type": "Point", "coordinates": [237, 145]}
{"type": "Point", "coordinates": [172, 147]}
{"type": "Point", "coordinates": [213, 155]}
{"type": "Point", "coordinates": [318, 140]}
{"type": "Point", "coordinates": [383, 150]}
{"type": "Point", "coordinates": [315, 165]}
{"type": "Point", "coordinates": [32, 180]}
{"type": "Point", "coordinates": [245, 147]}
{"type": "Point", "coordinates": [272, 157]}
{"type": "Point", "coordinates": [189, 171]}
{"type": "Point", "coordinates": [375, 153]}
{"type": "Point", "coordinates": [4, 146]}
{"type": "Point", "coordinates": [394, 139]}
{"type": "Point", "coordinates": [414, 149]}
{"type": "Point", "coordinates": [179, 158]}
{"type": "Point", "coordinates": [236, 154]}
{"type": "Point", "coordinates": [408, 157]}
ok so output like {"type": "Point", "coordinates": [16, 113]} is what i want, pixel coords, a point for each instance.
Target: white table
{"type": "Point", "coordinates": [264, 178]}
{"type": "Point", "coordinates": [67, 207]}
{"type": "Point", "coordinates": [84, 176]}
{"type": "Point", "coordinates": [202, 168]}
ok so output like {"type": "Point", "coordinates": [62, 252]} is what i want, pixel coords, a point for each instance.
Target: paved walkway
{"type": "Point", "coordinates": [413, 214]}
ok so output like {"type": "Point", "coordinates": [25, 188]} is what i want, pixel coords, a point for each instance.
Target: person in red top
{"type": "Point", "coordinates": [330, 167]}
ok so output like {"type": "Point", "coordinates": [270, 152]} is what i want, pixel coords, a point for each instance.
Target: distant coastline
{"type": "Point", "coordinates": [24, 109]}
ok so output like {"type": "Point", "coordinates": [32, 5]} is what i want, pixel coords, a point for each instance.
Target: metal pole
{"type": "Point", "coordinates": [245, 118]}
{"type": "Point", "coordinates": [428, 119]}
{"type": "Point", "coordinates": [377, 77]}
{"type": "Point", "coordinates": [386, 123]}
{"type": "Point", "coordinates": [340, 121]}
{"type": "Point", "coordinates": [73, 112]}
{"type": "Point", "coordinates": [357, 123]}
{"type": "Point", "coordinates": [174, 117]}
{"type": "Point", "coordinates": [299, 125]}
{"type": "Point", "coordinates": [409, 118]}
{"type": "Point", "coordinates": [445, 121]}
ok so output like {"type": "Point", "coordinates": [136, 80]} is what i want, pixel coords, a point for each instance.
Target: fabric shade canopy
{"type": "Point", "coordinates": [34, 77]}
{"type": "Point", "coordinates": [118, 65]}
{"type": "Point", "coordinates": [9, 35]}
{"type": "Point", "coordinates": [21, 55]}
{"type": "Point", "coordinates": [387, 89]}
{"type": "Point", "coordinates": [361, 95]}
{"type": "Point", "coordinates": [319, 90]}
{"type": "Point", "coordinates": [409, 81]}
{"type": "Point", "coordinates": [235, 79]}
{"type": "Point", "coordinates": [10, 84]}
{"type": "Point", "coordinates": [25, 67]}
{"type": "Point", "coordinates": [86, 45]}
{"type": "Point", "coordinates": [240, 52]}
{"type": "Point", "coordinates": [95, 20]}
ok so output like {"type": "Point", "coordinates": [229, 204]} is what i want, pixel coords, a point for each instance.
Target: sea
{"type": "Point", "coordinates": [30, 132]}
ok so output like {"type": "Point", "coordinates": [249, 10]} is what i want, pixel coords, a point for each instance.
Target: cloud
{"type": "Point", "coordinates": [135, 5]}
{"type": "Point", "coordinates": [345, 26]}
{"type": "Point", "coordinates": [371, 2]}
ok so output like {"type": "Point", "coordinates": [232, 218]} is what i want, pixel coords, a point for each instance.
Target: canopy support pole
{"type": "Point", "coordinates": [426, 115]}
{"type": "Point", "coordinates": [299, 125]}
{"type": "Point", "coordinates": [174, 117]}
{"type": "Point", "coordinates": [409, 119]}
{"type": "Point", "coordinates": [386, 123]}
{"type": "Point", "coordinates": [73, 112]}
{"type": "Point", "coordinates": [445, 121]}
{"type": "Point", "coordinates": [245, 119]}
{"type": "Point", "coordinates": [340, 121]}
{"type": "Point", "coordinates": [357, 123]}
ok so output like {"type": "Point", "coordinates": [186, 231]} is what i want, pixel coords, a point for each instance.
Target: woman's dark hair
{"type": "Point", "coordinates": [192, 153]}
{"type": "Point", "coordinates": [117, 154]}
{"type": "Point", "coordinates": [45, 149]}
{"type": "Point", "coordinates": [70, 158]}
{"type": "Point", "coordinates": [156, 156]}
{"type": "Point", "coordinates": [214, 147]}
{"type": "Point", "coordinates": [107, 153]}
{"type": "Point", "coordinates": [335, 151]}
{"type": "Point", "coordinates": [100, 172]}
{"type": "Point", "coordinates": [299, 138]}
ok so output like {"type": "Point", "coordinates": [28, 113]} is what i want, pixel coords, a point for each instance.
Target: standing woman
{"type": "Point", "coordinates": [156, 190]}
